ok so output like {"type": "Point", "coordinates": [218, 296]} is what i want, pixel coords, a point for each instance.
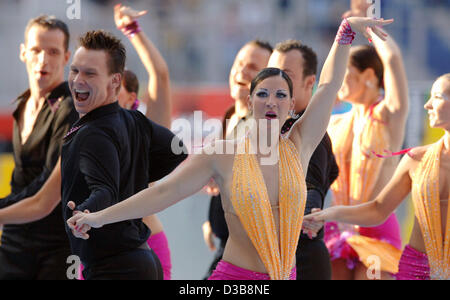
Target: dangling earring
{"type": "Point", "coordinates": [292, 113]}
{"type": "Point", "coordinates": [369, 84]}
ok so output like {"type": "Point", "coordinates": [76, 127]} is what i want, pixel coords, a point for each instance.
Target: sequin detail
{"type": "Point", "coordinates": [72, 130]}
{"type": "Point", "coordinates": [251, 203]}
{"type": "Point", "coordinates": [413, 265]}
{"type": "Point", "coordinates": [426, 200]}
{"type": "Point", "coordinates": [345, 34]}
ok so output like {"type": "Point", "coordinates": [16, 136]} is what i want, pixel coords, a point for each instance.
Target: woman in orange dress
{"type": "Point", "coordinates": [375, 125]}
{"type": "Point", "coordinates": [425, 172]}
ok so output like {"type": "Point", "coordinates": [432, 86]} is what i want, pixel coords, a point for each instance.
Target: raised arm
{"type": "Point", "coordinates": [37, 206]}
{"type": "Point", "coordinates": [187, 179]}
{"type": "Point", "coordinates": [311, 128]}
{"type": "Point", "coordinates": [374, 212]}
{"type": "Point", "coordinates": [159, 105]}
{"type": "Point", "coordinates": [395, 81]}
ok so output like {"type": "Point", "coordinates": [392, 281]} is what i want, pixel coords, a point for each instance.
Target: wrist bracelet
{"type": "Point", "coordinates": [131, 29]}
{"type": "Point", "coordinates": [345, 34]}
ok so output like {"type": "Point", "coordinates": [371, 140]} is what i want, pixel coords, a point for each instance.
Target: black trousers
{"type": "Point", "coordinates": [138, 264]}
{"type": "Point", "coordinates": [313, 260]}
{"type": "Point", "coordinates": [26, 257]}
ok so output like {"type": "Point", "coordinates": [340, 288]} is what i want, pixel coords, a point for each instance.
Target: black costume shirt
{"type": "Point", "coordinates": [322, 172]}
{"type": "Point", "coordinates": [35, 160]}
{"type": "Point", "coordinates": [109, 155]}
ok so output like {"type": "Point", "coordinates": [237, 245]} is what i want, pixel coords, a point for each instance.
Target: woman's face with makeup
{"type": "Point", "coordinates": [271, 100]}
{"type": "Point", "coordinates": [438, 106]}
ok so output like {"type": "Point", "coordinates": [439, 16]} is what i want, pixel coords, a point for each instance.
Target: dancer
{"type": "Point", "coordinates": [425, 173]}
{"type": "Point", "coordinates": [43, 116]}
{"type": "Point", "coordinates": [144, 155]}
{"type": "Point", "coordinates": [254, 249]}
{"type": "Point", "coordinates": [300, 63]}
{"type": "Point", "coordinates": [250, 60]}
{"type": "Point", "coordinates": [375, 124]}
{"type": "Point", "coordinates": [134, 152]}
{"type": "Point", "coordinates": [159, 106]}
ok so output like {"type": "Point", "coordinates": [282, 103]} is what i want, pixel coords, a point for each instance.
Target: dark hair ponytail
{"type": "Point", "coordinates": [130, 81]}
{"type": "Point", "coordinates": [366, 56]}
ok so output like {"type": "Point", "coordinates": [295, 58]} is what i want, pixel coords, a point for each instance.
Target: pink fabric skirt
{"type": "Point", "coordinates": [413, 265]}
{"type": "Point", "coordinates": [336, 239]}
{"type": "Point", "coordinates": [227, 271]}
{"type": "Point", "coordinates": [160, 245]}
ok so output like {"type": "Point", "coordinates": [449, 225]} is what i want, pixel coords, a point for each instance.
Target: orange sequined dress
{"type": "Point", "coordinates": [426, 199]}
{"type": "Point", "coordinates": [251, 203]}
{"type": "Point", "coordinates": [359, 169]}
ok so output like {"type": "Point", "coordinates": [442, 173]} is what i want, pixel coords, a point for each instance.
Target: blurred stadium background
{"type": "Point", "coordinates": [199, 39]}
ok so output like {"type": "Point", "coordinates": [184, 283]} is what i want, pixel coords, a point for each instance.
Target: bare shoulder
{"type": "Point", "coordinates": [220, 150]}
{"type": "Point", "coordinates": [417, 153]}
{"type": "Point", "coordinates": [221, 155]}
{"type": "Point", "coordinates": [411, 161]}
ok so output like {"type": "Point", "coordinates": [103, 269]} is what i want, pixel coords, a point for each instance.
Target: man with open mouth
{"type": "Point", "coordinates": [44, 114]}
{"type": "Point", "coordinates": [110, 154]}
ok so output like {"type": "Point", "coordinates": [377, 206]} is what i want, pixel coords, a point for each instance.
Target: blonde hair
{"type": "Point", "coordinates": [445, 76]}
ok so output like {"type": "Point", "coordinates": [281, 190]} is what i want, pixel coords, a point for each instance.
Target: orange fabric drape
{"type": "Point", "coordinates": [426, 199]}
{"type": "Point", "coordinates": [359, 167]}
{"type": "Point", "coordinates": [251, 202]}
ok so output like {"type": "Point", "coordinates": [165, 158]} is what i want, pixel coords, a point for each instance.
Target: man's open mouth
{"type": "Point", "coordinates": [81, 95]}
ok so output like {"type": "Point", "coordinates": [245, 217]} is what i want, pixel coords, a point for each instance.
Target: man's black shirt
{"type": "Point", "coordinates": [34, 162]}
{"type": "Point", "coordinates": [109, 155]}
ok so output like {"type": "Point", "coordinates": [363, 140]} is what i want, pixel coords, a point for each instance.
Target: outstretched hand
{"type": "Point", "coordinates": [320, 216]}
{"type": "Point", "coordinates": [310, 227]}
{"type": "Point", "coordinates": [78, 231]}
{"type": "Point", "coordinates": [366, 26]}
{"type": "Point", "coordinates": [124, 15]}
{"type": "Point", "coordinates": [212, 188]}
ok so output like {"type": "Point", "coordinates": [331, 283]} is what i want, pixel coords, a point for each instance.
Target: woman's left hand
{"type": "Point", "coordinates": [362, 24]}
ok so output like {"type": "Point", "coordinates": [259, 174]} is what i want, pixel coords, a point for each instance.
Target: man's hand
{"type": "Point", "coordinates": [208, 236]}
{"type": "Point", "coordinates": [80, 232]}
{"type": "Point", "coordinates": [212, 188]}
{"type": "Point", "coordinates": [124, 15]}
{"type": "Point", "coordinates": [312, 227]}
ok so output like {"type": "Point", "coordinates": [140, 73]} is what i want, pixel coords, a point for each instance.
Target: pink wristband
{"type": "Point", "coordinates": [131, 29]}
{"type": "Point", "coordinates": [345, 34]}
